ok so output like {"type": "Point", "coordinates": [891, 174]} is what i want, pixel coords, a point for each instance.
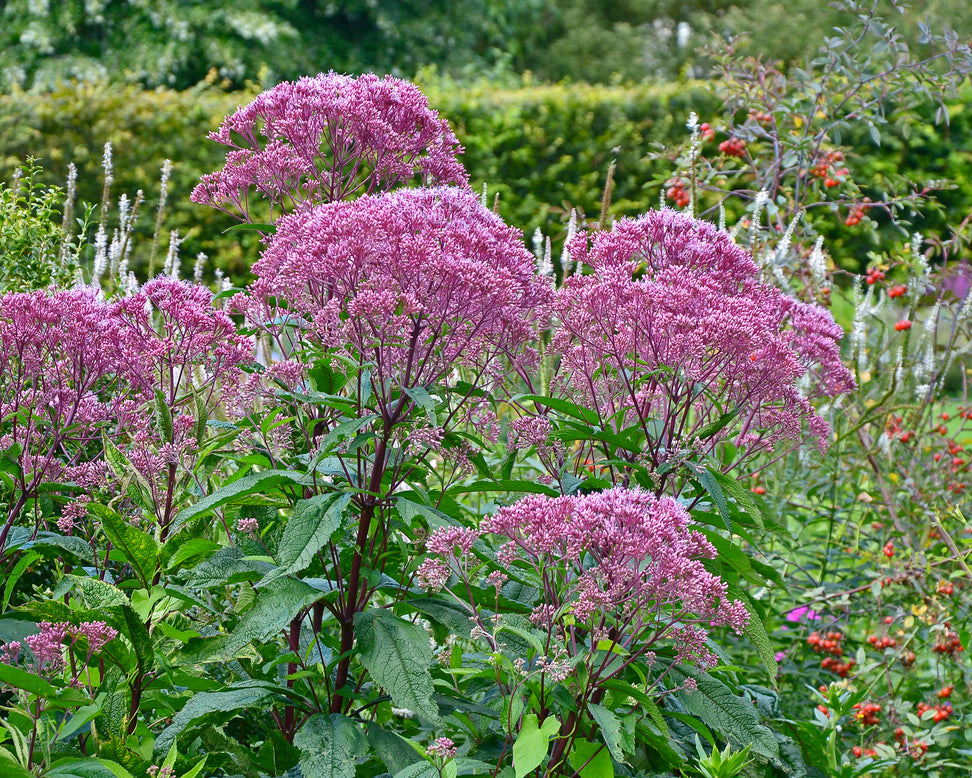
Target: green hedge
{"type": "Point", "coordinates": [544, 149]}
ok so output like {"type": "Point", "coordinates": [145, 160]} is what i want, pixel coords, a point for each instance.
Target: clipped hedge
{"type": "Point", "coordinates": [543, 148]}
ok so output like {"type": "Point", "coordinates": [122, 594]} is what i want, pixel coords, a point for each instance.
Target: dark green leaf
{"type": "Point", "coordinates": [328, 746]}
{"type": "Point", "coordinates": [398, 655]}
{"type": "Point", "coordinates": [307, 531]}
{"type": "Point", "coordinates": [249, 694]}
{"type": "Point", "coordinates": [248, 484]}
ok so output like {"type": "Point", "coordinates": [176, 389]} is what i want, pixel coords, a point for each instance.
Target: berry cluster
{"type": "Point", "coordinates": [826, 168]}
{"type": "Point", "coordinates": [830, 643]}
{"type": "Point", "coordinates": [867, 713]}
{"type": "Point", "coordinates": [863, 753]}
{"type": "Point", "coordinates": [761, 117]}
{"type": "Point", "coordinates": [897, 291]}
{"type": "Point", "coordinates": [942, 710]}
{"type": "Point", "coordinates": [857, 211]}
{"type": "Point", "coordinates": [882, 642]}
{"type": "Point", "coordinates": [705, 129]}
{"type": "Point", "coordinates": [949, 643]}
{"type": "Point", "coordinates": [677, 192]}
{"type": "Point", "coordinates": [874, 275]}
{"type": "Point", "coordinates": [733, 147]}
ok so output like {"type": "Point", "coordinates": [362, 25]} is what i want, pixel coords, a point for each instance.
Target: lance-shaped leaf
{"type": "Point", "coordinates": [307, 531]}
{"type": "Point", "coordinates": [275, 607]}
{"type": "Point", "coordinates": [247, 485]}
{"type": "Point", "coordinates": [139, 549]}
{"type": "Point", "coordinates": [328, 745]}
{"type": "Point", "coordinates": [398, 655]}
{"type": "Point", "coordinates": [249, 694]}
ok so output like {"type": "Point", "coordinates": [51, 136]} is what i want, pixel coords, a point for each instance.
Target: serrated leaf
{"type": "Point", "coordinates": [532, 743]}
{"type": "Point", "coordinates": [733, 717]}
{"type": "Point", "coordinates": [328, 745]}
{"type": "Point", "coordinates": [394, 751]}
{"type": "Point", "coordinates": [225, 565]}
{"type": "Point", "coordinates": [449, 613]}
{"type": "Point", "coordinates": [96, 593]}
{"type": "Point", "coordinates": [248, 484]}
{"type": "Point", "coordinates": [61, 697]}
{"type": "Point", "coordinates": [306, 532]}
{"type": "Point", "coordinates": [20, 537]}
{"type": "Point", "coordinates": [139, 549]}
{"type": "Point", "coordinates": [756, 631]}
{"type": "Point", "coordinates": [248, 694]}
{"type": "Point", "coordinates": [713, 488]}
{"type": "Point", "coordinates": [609, 728]}
{"type": "Point", "coordinates": [86, 768]}
{"type": "Point", "coordinates": [275, 607]}
{"type": "Point", "coordinates": [398, 655]}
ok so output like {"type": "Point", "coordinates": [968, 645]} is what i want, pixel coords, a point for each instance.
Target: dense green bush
{"type": "Point", "coordinates": [544, 149]}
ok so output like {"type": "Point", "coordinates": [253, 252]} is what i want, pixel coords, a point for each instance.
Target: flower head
{"type": "Point", "coordinates": [415, 282]}
{"type": "Point", "coordinates": [327, 138]}
{"type": "Point", "coordinates": [675, 325]}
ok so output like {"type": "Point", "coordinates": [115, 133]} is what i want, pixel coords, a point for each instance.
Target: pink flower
{"type": "Point", "coordinates": [622, 559]}
{"type": "Point", "coordinates": [674, 328]}
{"type": "Point", "coordinates": [798, 614]}
{"type": "Point", "coordinates": [328, 138]}
{"type": "Point", "coordinates": [415, 282]}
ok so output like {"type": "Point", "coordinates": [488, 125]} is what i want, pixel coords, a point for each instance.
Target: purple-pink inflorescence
{"type": "Point", "coordinates": [621, 562]}
{"type": "Point", "coordinates": [674, 328]}
{"type": "Point", "coordinates": [415, 282]}
{"type": "Point", "coordinates": [327, 138]}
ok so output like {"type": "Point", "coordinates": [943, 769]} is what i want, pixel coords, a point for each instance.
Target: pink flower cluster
{"type": "Point", "coordinates": [47, 646]}
{"type": "Point", "coordinates": [623, 562]}
{"type": "Point", "coordinates": [674, 328]}
{"type": "Point", "coordinates": [75, 366]}
{"type": "Point", "coordinates": [414, 282]}
{"type": "Point", "coordinates": [328, 138]}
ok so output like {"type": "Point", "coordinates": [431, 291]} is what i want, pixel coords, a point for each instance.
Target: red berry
{"type": "Point", "coordinates": [902, 325]}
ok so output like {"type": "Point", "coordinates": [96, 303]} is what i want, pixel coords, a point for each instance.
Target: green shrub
{"type": "Point", "coordinates": [543, 148]}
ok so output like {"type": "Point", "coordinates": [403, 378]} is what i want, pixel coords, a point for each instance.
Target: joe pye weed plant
{"type": "Point", "coordinates": [404, 504]}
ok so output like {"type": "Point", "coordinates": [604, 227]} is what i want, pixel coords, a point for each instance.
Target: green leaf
{"type": "Point", "coordinates": [19, 537]}
{"type": "Point", "coordinates": [266, 229]}
{"type": "Point", "coordinates": [449, 613]}
{"type": "Point", "coordinates": [563, 406]}
{"type": "Point", "coordinates": [396, 752]}
{"type": "Point", "coordinates": [423, 400]}
{"type": "Point", "coordinates": [130, 625]}
{"type": "Point", "coordinates": [23, 563]}
{"type": "Point", "coordinates": [328, 745]}
{"type": "Point", "coordinates": [60, 697]}
{"type": "Point", "coordinates": [647, 703]}
{"type": "Point", "coordinates": [226, 566]}
{"type": "Point", "coordinates": [743, 497]}
{"type": "Point", "coordinates": [756, 632]}
{"type": "Point", "coordinates": [609, 726]}
{"type": "Point", "coordinates": [87, 768]}
{"type": "Point", "coordinates": [163, 416]}
{"type": "Point", "coordinates": [248, 484]}
{"type": "Point", "coordinates": [276, 606]}
{"type": "Point", "coordinates": [733, 717]}
{"type": "Point", "coordinates": [249, 694]}
{"type": "Point", "coordinates": [515, 486]}
{"type": "Point", "coordinates": [712, 486]}
{"type": "Point", "coordinates": [139, 549]}
{"type": "Point", "coordinates": [591, 760]}
{"type": "Point", "coordinates": [532, 743]}
{"type": "Point", "coordinates": [398, 655]}
{"type": "Point", "coordinates": [307, 531]}
{"type": "Point", "coordinates": [96, 593]}
{"type": "Point", "coordinates": [324, 378]}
